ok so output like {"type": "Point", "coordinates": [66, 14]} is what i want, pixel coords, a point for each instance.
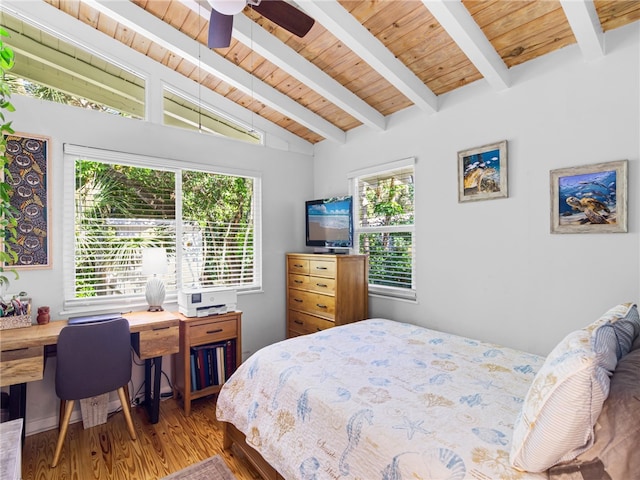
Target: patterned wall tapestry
{"type": "Point", "coordinates": [28, 167]}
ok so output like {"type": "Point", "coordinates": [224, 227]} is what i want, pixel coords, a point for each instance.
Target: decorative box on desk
{"type": "Point", "coordinates": [9, 319]}
{"type": "Point", "coordinates": [210, 351]}
{"type": "Point", "coordinates": [22, 355]}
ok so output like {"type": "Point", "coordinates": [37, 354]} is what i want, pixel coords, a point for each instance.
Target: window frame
{"type": "Point", "coordinates": [354, 176]}
{"type": "Point", "coordinates": [72, 153]}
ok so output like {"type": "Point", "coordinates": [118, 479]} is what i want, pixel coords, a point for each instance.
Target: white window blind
{"type": "Point", "coordinates": [384, 226]}
{"type": "Point", "coordinates": [208, 223]}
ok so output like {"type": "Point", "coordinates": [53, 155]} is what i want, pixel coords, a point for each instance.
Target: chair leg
{"type": "Point", "coordinates": [126, 392]}
{"type": "Point", "coordinates": [126, 409]}
{"type": "Point", "coordinates": [61, 414]}
{"type": "Point", "coordinates": [63, 431]}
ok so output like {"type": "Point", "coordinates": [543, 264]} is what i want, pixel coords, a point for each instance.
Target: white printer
{"type": "Point", "coordinates": [201, 302]}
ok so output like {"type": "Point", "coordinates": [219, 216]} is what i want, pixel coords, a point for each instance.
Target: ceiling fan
{"type": "Point", "coordinates": [278, 11]}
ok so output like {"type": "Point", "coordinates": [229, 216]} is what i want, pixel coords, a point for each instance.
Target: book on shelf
{"type": "Point", "coordinates": [212, 364]}
{"type": "Point", "coordinates": [192, 359]}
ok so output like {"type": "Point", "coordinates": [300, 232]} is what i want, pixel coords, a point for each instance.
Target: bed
{"type": "Point", "coordinates": [380, 399]}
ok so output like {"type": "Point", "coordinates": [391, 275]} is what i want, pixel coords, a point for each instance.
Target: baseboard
{"type": "Point", "coordinates": [49, 423]}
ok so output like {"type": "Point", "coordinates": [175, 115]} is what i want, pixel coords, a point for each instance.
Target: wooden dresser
{"type": "Point", "coordinates": [324, 291]}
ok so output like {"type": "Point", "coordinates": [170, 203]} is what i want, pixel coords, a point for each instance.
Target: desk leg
{"type": "Point", "coordinates": [18, 404]}
{"type": "Point", "coordinates": [17, 401]}
{"type": "Point", "coordinates": [152, 398]}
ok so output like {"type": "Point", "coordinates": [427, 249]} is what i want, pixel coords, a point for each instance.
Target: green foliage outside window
{"type": "Point", "coordinates": [121, 209]}
{"type": "Point", "coordinates": [386, 204]}
{"type": "Point", "coordinates": [389, 258]}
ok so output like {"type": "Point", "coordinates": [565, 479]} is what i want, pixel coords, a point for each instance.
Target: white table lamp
{"type": "Point", "coordinates": [154, 262]}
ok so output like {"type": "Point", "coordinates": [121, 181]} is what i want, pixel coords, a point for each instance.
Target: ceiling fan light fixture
{"type": "Point", "coordinates": [228, 7]}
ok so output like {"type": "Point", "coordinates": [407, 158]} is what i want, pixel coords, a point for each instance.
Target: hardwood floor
{"type": "Point", "coordinates": [107, 452]}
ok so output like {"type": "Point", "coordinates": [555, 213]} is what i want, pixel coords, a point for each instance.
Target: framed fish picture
{"type": "Point", "coordinates": [482, 172]}
{"type": "Point", "coordinates": [590, 198]}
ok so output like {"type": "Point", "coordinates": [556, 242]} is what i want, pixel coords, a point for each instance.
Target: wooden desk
{"type": "Point", "coordinates": [22, 355]}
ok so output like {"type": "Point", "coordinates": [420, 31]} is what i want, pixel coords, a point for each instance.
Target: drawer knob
{"type": "Point", "coordinates": [217, 330]}
{"type": "Point", "coordinates": [297, 300]}
{"type": "Point", "coordinates": [297, 281]}
{"type": "Point", "coordinates": [298, 322]}
{"type": "Point", "coordinates": [297, 265]}
{"type": "Point", "coordinates": [319, 305]}
{"type": "Point", "coordinates": [321, 268]}
{"type": "Point", "coordinates": [321, 285]}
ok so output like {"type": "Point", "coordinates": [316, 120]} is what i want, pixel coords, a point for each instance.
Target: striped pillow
{"type": "Point", "coordinates": [566, 396]}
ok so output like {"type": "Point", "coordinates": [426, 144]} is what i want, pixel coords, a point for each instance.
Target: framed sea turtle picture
{"type": "Point", "coordinates": [482, 172]}
{"type": "Point", "coordinates": [590, 198]}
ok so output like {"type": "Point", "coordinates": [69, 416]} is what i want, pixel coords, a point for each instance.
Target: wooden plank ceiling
{"type": "Point", "coordinates": [357, 84]}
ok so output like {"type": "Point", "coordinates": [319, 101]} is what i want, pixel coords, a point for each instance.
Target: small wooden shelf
{"type": "Point", "coordinates": [202, 331]}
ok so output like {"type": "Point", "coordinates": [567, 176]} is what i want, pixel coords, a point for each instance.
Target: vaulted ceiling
{"type": "Point", "coordinates": [362, 60]}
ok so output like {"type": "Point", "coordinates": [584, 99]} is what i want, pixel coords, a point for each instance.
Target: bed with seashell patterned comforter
{"type": "Point", "coordinates": [379, 399]}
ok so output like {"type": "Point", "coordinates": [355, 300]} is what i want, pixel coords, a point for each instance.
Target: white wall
{"type": "Point", "coordinates": [286, 184]}
{"type": "Point", "coordinates": [491, 269]}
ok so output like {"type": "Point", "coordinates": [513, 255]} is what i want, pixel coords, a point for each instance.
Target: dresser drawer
{"type": "Point", "coordinates": [212, 332]}
{"type": "Point", "coordinates": [322, 285]}
{"type": "Point", "coordinates": [299, 281]}
{"type": "Point", "coordinates": [325, 268]}
{"type": "Point", "coordinates": [21, 365]}
{"type": "Point", "coordinates": [156, 342]}
{"type": "Point", "coordinates": [315, 284]}
{"type": "Point", "coordinates": [314, 303]}
{"type": "Point", "coordinates": [301, 323]}
{"type": "Point", "coordinates": [298, 265]}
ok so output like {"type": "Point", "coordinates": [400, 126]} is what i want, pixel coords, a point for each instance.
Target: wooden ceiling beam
{"type": "Point", "coordinates": [336, 19]}
{"type": "Point", "coordinates": [462, 28]}
{"type": "Point", "coordinates": [67, 29]}
{"type": "Point", "coordinates": [290, 61]}
{"type": "Point", "coordinates": [585, 23]}
{"type": "Point", "coordinates": [168, 37]}
{"type": "Point", "coordinates": [287, 59]}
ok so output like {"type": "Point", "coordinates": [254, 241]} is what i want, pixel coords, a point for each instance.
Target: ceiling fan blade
{"type": "Point", "coordinates": [285, 15]}
{"type": "Point", "coordinates": [220, 26]}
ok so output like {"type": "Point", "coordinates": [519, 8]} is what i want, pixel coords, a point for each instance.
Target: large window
{"type": "Point", "coordinates": [384, 226]}
{"type": "Point", "coordinates": [206, 221]}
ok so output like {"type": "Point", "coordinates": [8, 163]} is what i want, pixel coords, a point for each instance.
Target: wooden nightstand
{"type": "Point", "coordinates": [210, 351]}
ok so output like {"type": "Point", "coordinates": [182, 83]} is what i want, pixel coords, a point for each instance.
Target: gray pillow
{"type": "Point", "coordinates": [614, 453]}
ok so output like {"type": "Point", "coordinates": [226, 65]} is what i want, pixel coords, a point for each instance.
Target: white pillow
{"type": "Point", "coordinates": [566, 396]}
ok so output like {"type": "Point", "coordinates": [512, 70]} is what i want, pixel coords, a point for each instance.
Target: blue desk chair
{"type": "Point", "coordinates": [93, 359]}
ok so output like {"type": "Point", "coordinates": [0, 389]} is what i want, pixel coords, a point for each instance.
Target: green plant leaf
{"type": "Point", "coordinates": [8, 221]}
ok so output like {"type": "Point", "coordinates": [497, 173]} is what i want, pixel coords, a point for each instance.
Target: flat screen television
{"type": "Point", "coordinates": [329, 222]}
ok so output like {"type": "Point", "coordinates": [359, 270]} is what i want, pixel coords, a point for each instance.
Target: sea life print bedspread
{"type": "Point", "coordinates": [379, 399]}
